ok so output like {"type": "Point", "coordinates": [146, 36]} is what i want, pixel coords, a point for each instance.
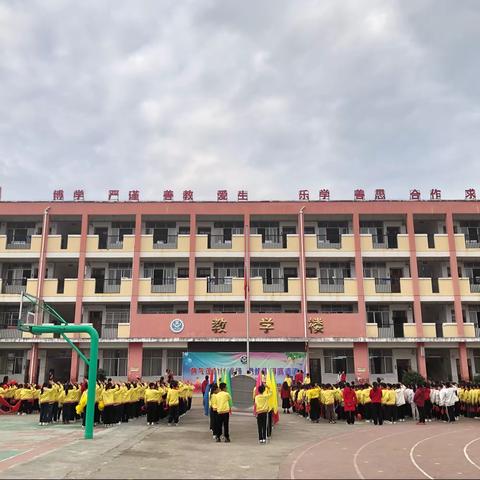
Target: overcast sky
{"type": "Point", "coordinates": [269, 96]}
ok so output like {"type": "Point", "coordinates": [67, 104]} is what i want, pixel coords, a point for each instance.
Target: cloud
{"type": "Point", "coordinates": [271, 96]}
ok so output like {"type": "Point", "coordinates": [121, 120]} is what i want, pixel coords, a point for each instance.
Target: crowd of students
{"type": "Point", "coordinates": [380, 402]}
{"type": "Point", "coordinates": [115, 402]}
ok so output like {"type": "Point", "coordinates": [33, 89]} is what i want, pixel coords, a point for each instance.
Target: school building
{"type": "Point", "coordinates": [369, 287]}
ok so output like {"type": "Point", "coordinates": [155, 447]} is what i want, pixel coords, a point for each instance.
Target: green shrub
{"type": "Point", "coordinates": [413, 378]}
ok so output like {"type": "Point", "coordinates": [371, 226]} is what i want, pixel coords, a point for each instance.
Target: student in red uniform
{"type": "Point", "coordinates": [419, 399]}
{"type": "Point", "coordinates": [376, 404]}
{"type": "Point", "coordinates": [285, 396]}
{"type": "Point", "coordinates": [349, 403]}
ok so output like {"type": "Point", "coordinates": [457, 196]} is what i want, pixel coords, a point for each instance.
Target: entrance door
{"type": "Point", "coordinates": [392, 241]}
{"type": "Point", "coordinates": [58, 365]}
{"type": "Point", "coordinates": [395, 275]}
{"type": "Point", "coordinates": [99, 275]}
{"type": "Point", "coordinates": [403, 365]}
{"type": "Point", "coordinates": [399, 317]}
{"type": "Point", "coordinates": [95, 318]}
{"type": "Point", "coordinates": [287, 231]}
{"type": "Point", "coordinates": [102, 233]}
{"type": "Point", "coordinates": [315, 370]}
{"type": "Point", "coordinates": [288, 273]}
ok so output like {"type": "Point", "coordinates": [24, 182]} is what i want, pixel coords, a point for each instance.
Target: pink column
{"type": "Point", "coordinates": [361, 360]}
{"type": "Point", "coordinates": [462, 350]}
{"type": "Point", "coordinates": [136, 267]}
{"type": "Point", "coordinates": [135, 350]}
{"type": "Point", "coordinates": [191, 264]}
{"type": "Point", "coordinates": [79, 296]}
{"type": "Point", "coordinates": [359, 272]}
{"type": "Point", "coordinates": [457, 299]}
{"type": "Point", "coordinates": [421, 362]}
{"type": "Point", "coordinates": [417, 306]}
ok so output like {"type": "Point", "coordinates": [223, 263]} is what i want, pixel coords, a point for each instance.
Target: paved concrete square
{"type": "Point", "coordinates": [299, 449]}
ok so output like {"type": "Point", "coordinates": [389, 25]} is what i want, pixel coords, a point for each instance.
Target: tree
{"type": "Point", "coordinates": [476, 379]}
{"type": "Point", "coordinates": [413, 378]}
{"type": "Point", "coordinates": [101, 375]}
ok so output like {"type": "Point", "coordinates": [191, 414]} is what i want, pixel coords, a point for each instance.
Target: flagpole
{"type": "Point", "coordinates": [247, 290]}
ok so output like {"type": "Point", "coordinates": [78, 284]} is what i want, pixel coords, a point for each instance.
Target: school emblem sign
{"type": "Point", "coordinates": [177, 325]}
{"type": "Point", "coordinates": [315, 325]}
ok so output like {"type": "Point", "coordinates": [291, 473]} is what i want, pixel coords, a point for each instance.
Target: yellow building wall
{"type": "Point", "coordinates": [469, 330]}
{"type": "Point", "coordinates": [429, 330]}
{"type": "Point", "coordinates": [372, 330]}
{"type": "Point", "coordinates": [465, 287]}
{"type": "Point", "coordinates": [409, 330]}
{"type": "Point", "coordinates": [445, 286]}
{"type": "Point", "coordinates": [123, 330]}
{"type": "Point", "coordinates": [460, 242]}
{"type": "Point", "coordinates": [450, 330]}
{"type": "Point", "coordinates": [55, 244]}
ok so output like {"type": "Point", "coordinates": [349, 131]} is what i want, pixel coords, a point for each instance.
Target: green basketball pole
{"type": "Point", "coordinates": [62, 329]}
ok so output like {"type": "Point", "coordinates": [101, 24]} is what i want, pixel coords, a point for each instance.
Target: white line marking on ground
{"type": "Point", "coordinates": [357, 453]}
{"type": "Point", "coordinates": [417, 466]}
{"type": "Point", "coordinates": [294, 464]}
{"type": "Point", "coordinates": [466, 454]}
{"type": "Point", "coordinates": [16, 455]}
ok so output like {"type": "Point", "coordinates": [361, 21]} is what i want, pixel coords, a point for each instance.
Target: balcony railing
{"type": "Point", "coordinates": [474, 287]}
{"type": "Point", "coordinates": [219, 285]}
{"type": "Point", "coordinates": [14, 286]}
{"type": "Point", "coordinates": [11, 332]}
{"type": "Point", "coordinates": [331, 285]}
{"type": "Point", "coordinates": [110, 242]}
{"type": "Point", "coordinates": [9, 319]}
{"type": "Point", "coordinates": [383, 285]}
{"type": "Point", "coordinates": [219, 241]}
{"type": "Point", "coordinates": [477, 331]}
{"type": "Point", "coordinates": [272, 241]}
{"type": "Point", "coordinates": [275, 285]}
{"type": "Point", "coordinates": [471, 242]}
{"type": "Point", "coordinates": [24, 244]}
{"type": "Point", "coordinates": [109, 331]}
{"type": "Point", "coordinates": [384, 241]}
{"type": "Point", "coordinates": [109, 285]}
{"type": "Point", "coordinates": [391, 330]}
{"type": "Point", "coordinates": [171, 241]}
{"type": "Point", "coordinates": [168, 285]}
{"type": "Point", "coordinates": [324, 242]}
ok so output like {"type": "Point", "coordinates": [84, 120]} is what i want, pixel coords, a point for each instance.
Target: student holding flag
{"type": "Point", "coordinates": [262, 408]}
{"type": "Point", "coordinates": [223, 401]}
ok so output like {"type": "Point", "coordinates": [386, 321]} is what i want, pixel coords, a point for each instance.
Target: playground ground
{"type": "Point", "coordinates": [298, 449]}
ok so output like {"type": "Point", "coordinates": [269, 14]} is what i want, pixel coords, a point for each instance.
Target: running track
{"type": "Point", "coordinates": [404, 450]}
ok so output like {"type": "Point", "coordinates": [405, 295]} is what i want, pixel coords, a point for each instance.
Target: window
{"type": "Point", "coordinates": [222, 270]}
{"type": "Point", "coordinates": [152, 362]}
{"type": "Point", "coordinates": [309, 230]}
{"type": "Point", "coordinates": [115, 362]}
{"type": "Point", "coordinates": [476, 360]}
{"type": "Point", "coordinates": [260, 308]}
{"type": "Point", "coordinates": [175, 361]}
{"type": "Point", "coordinates": [334, 270]}
{"type": "Point", "coordinates": [375, 270]}
{"type": "Point", "coordinates": [339, 361]}
{"type": "Point", "coordinates": [378, 314]}
{"type": "Point", "coordinates": [119, 270]}
{"type": "Point", "coordinates": [336, 308]}
{"type": "Point", "coordinates": [203, 272]}
{"type": "Point", "coordinates": [11, 363]}
{"type": "Point", "coordinates": [311, 272]}
{"type": "Point", "coordinates": [157, 308]}
{"type": "Point", "coordinates": [228, 308]}
{"type": "Point", "coordinates": [182, 272]}
{"type": "Point", "coordinates": [184, 230]}
{"type": "Point", "coordinates": [381, 361]}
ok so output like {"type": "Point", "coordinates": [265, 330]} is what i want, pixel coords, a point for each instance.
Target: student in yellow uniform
{"type": "Point", "coordinates": [313, 399]}
{"type": "Point", "coordinates": [107, 398]}
{"type": "Point", "coordinates": [288, 379]}
{"type": "Point", "coordinates": [262, 408]}
{"type": "Point", "coordinates": [173, 401]}
{"type": "Point", "coordinates": [152, 398]}
{"type": "Point", "coordinates": [213, 409]}
{"type": "Point", "coordinates": [69, 403]}
{"type": "Point", "coordinates": [328, 400]}
{"type": "Point", "coordinates": [367, 402]}
{"type": "Point", "coordinates": [223, 412]}
{"type": "Point", "coordinates": [46, 404]}
{"type": "Point", "coordinates": [307, 380]}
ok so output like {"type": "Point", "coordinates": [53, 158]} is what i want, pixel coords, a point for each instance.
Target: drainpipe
{"type": "Point", "coordinates": [304, 287]}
